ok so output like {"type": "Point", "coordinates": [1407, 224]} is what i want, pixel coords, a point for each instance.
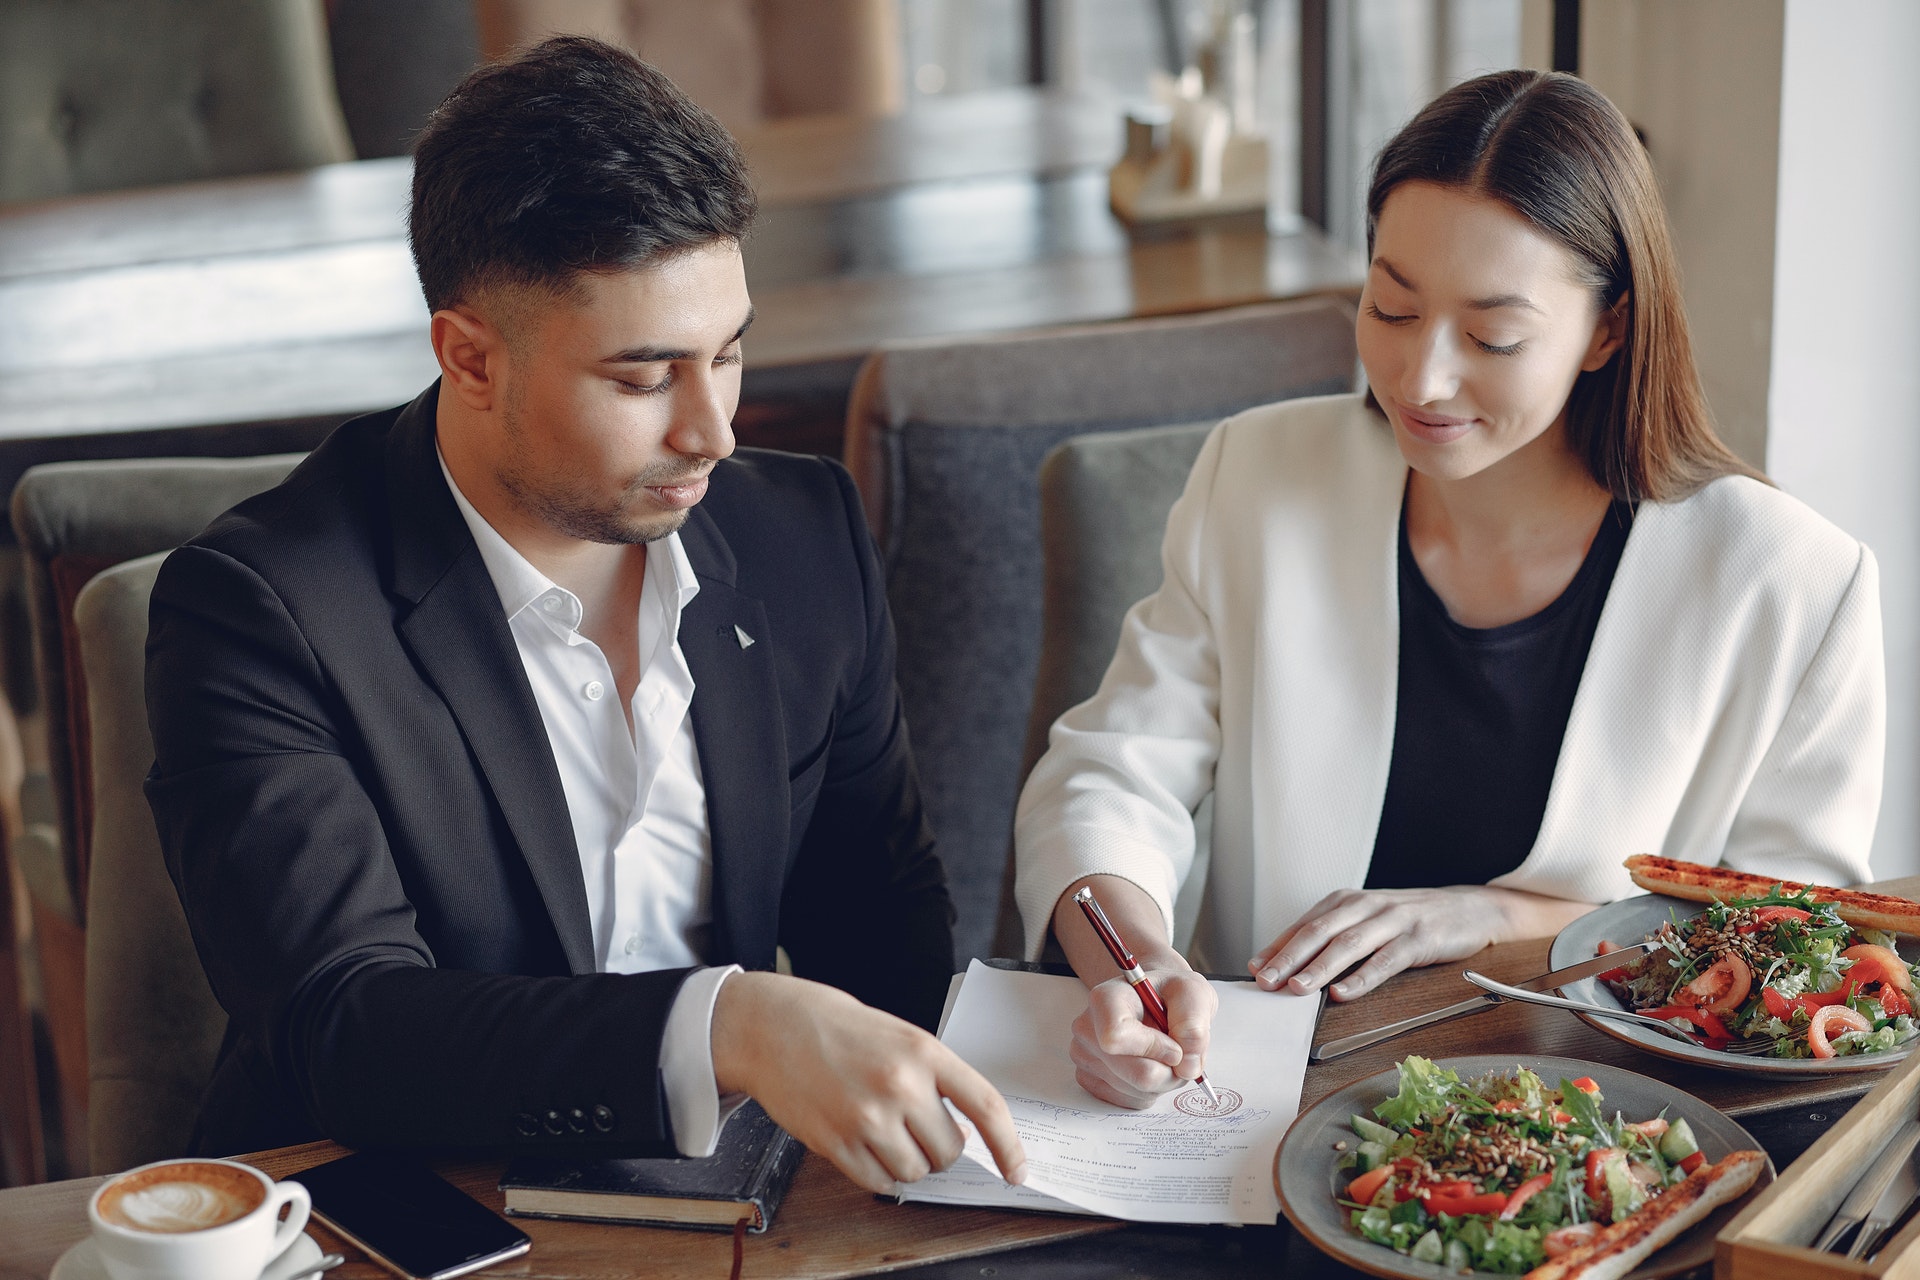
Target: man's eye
{"type": "Point", "coordinates": [728, 357]}
{"type": "Point", "coordinates": [646, 388]}
{"type": "Point", "coordinates": [1373, 309]}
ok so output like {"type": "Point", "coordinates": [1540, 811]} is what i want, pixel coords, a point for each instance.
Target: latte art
{"type": "Point", "coordinates": [179, 1206]}
{"type": "Point", "coordinates": [181, 1197]}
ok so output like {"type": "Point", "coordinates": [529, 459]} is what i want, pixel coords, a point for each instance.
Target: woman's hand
{"type": "Point", "coordinates": [1395, 929]}
{"type": "Point", "coordinates": [1117, 1056]}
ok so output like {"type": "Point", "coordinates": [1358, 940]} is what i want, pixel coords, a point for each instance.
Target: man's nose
{"type": "Point", "coordinates": [703, 419]}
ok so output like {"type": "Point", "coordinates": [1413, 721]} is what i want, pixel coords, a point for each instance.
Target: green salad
{"type": "Point", "coordinates": [1502, 1172]}
{"type": "Point", "coordinates": [1781, 966]}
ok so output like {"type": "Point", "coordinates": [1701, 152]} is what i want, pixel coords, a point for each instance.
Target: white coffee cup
{"type": "Point", "coordinates": [194, 1220]}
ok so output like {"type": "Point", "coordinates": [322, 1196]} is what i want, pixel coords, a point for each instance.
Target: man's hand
{"type": "Point", "coordinates": [859, 1086]}
{"type": "Point", "coordinates": [1119, 1058]}
{"type": "Point", "coordinates": [1395, 929]}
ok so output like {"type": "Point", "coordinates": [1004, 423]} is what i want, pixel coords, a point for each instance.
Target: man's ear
{"type": "Point", "coordinates": [471, 352]}
{"type": "Point", "coordinates": [1609, 334]}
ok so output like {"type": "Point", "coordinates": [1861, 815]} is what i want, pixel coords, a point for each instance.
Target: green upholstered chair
{"type": "Point", "coordinates": [73, 520]}
{"type": "Point", "coordinates": [945, 440]}
{"type": "Point", "coordinates": [153, 1026]}
{"type": "Point", "coordinates": [102, 94]}
{"type": "Point", "coordinates": [1104, 501]}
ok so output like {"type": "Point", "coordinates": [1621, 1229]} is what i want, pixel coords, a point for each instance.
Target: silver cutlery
{"type": "Point", "coordinates": [1477, 1004]}
{"type": "Point", "coordinates": [1867, 1205]}
{"type": "Point", "coordinates": [1502, 991]}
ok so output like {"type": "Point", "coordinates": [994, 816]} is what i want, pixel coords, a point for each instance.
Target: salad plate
{"type": "Point", "coordinates": [1628, 921]}
{"type": "Point", "coordinates": [1309, 1174]}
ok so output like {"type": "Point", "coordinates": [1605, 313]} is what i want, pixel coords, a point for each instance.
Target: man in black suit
{"type": "Point", "coordinates": [489, 742]}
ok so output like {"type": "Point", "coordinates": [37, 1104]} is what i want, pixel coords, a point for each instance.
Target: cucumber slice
{"type": "Point", "coordinates": [1369, 1156]}
{"type": "Point", "coordinates": [1459, 1257]}
{"type": "Point", "coordinates": [1677, 1143]}
{"type": "Point", "coordinates": [1370, 1131]}
{"type": "Point", "coordinates": [1428, 1248]}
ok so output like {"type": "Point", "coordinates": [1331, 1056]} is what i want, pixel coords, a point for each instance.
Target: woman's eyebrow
{"type": "Point", "coordinates": [1500, 300]}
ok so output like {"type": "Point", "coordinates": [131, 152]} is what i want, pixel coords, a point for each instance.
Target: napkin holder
{"type": "Point", "coordinates": [1770, 1239]}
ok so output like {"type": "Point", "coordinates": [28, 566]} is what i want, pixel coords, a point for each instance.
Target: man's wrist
{"type": "Point", "coordinates": [739, 1027]}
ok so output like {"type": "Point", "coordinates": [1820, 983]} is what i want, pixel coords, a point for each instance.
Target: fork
{"type": "Point", "coordinates": [1750, 1046]}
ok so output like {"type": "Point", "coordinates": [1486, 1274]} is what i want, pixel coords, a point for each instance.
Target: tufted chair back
{"type": "Point", "coordinates": [101, 94]}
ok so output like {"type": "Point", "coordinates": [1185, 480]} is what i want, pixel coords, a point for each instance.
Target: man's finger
{"type": "Point", "coordinates": [1191, 1005]}
{"type": "Point", "coordinates": [939, 1137]}
{"type": "Point", "coordinates": [863, 1168]}
{"type": "Point", "coordinates": [981, 1103]}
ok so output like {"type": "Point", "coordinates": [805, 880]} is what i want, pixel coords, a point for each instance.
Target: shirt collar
{"type": "Point", "coordinates": [520, 584]}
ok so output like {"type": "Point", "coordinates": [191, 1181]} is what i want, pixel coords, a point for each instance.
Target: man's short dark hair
{"type": "Point", "coordinates": [574, 156]}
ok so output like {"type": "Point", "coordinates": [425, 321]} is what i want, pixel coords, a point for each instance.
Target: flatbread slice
{"type": "Point", "coordinates": [1626, 1244]}
{"type": "Point", "coordinates": [1697, 883]}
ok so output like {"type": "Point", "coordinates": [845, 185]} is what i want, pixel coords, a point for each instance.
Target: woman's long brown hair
{"type": "Point", "coordinates": [1557, 152]}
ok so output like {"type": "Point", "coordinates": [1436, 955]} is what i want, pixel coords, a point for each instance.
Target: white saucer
{"type": "Point", "coordinates": [82, 1263]}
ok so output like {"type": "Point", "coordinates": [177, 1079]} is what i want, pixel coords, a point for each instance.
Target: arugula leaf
{"type": "Point", "coordinates": [1424, 1092]}
{"type": "Point", "coordinates": [1584, 1107]}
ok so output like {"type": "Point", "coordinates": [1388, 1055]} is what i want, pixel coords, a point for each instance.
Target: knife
{"type": "Point", "coordinates": [1892, 1205]}
{"type": "Point", "coordinates": [1866, 1193]}
{"type": "Point", "coordinates": [1478, 1004]}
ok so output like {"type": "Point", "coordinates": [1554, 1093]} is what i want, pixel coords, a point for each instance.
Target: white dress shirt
{"type": "Point", "coordinates": [635, 795]}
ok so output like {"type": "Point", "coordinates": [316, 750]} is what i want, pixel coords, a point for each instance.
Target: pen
{"type": "Point", "coordinates": [1130, 970]}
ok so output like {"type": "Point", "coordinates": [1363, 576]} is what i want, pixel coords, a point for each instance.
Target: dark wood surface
{"type": "Point", "coordinates": [291, 298]}
{"type": "Point", "coordinates": [830, 1228]}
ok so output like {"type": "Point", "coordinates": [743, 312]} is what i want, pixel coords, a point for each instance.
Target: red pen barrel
{"type": "Point", "coordinates": [1156, 1007]}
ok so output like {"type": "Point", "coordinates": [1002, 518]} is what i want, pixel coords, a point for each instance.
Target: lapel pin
{"type": "Point", "coordinates": [746, 641]}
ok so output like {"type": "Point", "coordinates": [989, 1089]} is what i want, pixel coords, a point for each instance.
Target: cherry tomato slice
{"type": "Point", "coordinates": [1721, 989]}
{"type": "Point", "coordinates": [1888, 966]}
{"type": "Point", "coordinates": [1460, 1206]}
{"type": "Point", "coordinates": [1767, 917]}
{"type": "Point", "coordinates": [1831, 1021]}
{"type": "Point", "coordinates": [1692, 1162]}
{"type": "Point", "coordinates": [1587, 1084]}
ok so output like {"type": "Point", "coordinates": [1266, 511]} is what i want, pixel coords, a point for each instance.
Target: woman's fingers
{"type": "Point", "coordinates": [1303, 943]}
{"type": "Point", "coordinates": [1116, 1027]}
{"type": "Point", "coordinates": [1390, 959]}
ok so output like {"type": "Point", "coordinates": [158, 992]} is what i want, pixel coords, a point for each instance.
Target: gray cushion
{"type": "Point", "coordinates": [946, 442]}
{"type": "Point", "coordinates": [101, 94]}
{"type": "Point", "coordinates": [1104, 501]}
{"type": "Point", "coordinates": [85, 516]}
{"type": "Point", "coordinates": [153, 1026]}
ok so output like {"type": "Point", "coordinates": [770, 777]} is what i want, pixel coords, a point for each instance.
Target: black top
{"type": "Point", "coordinates": [1478, 724]}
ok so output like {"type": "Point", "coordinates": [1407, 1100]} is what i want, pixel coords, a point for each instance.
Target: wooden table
{"type": "Point", "coordinates": [290, 300]}
{"type": "Point", "coordinates": [830, 1228]}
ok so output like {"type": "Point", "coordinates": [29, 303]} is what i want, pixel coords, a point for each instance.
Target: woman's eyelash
{"type": "Point", "coordinates": [1373, 309]}
{"type": "Point", "coordinates": [1512, 348]}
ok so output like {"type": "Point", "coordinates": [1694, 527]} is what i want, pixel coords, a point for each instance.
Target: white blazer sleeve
{"type": "Point", "coordinates": [1123, 772]}
{"type": "Point", "coordinates": [1810, 810]}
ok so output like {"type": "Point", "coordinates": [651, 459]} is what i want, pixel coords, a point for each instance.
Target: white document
{"type": "Point", "coordinates": [1178, 1161]}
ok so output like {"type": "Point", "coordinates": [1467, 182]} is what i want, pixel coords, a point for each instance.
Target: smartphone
{"type": "Point", "coordinates": [408, 1218]}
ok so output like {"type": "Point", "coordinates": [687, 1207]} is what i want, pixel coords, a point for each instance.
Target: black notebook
{"type": "Point", "coordinates": [744, 1178]}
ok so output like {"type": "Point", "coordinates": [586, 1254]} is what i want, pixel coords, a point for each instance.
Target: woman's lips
{"type": "Point", "coordinates": [1434, 428]}
{"type": "Point", "coordinates": [679, 496]}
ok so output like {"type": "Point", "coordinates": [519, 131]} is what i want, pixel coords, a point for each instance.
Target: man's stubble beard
{"type": "Point", "coordinates": [568, 511]}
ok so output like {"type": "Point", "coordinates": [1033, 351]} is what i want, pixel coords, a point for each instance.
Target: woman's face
{"type": "Point", "coordinates": [1473, 326]}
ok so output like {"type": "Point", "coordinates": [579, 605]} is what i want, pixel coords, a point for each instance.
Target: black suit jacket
{"type": "Point", "coordinates": [363, 817]}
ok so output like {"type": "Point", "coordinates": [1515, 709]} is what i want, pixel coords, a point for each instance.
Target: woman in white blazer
{"type": "Point", "coordinates": [1447, 654]}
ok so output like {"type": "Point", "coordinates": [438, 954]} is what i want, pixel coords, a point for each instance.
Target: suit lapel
{"type": "Point", "coordinates": [459, 635]}
{"type": "Point", "coordinates": [741, 738]}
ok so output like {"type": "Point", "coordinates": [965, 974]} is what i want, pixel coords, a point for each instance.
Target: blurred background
{"type": "Point", "coordinates": [202, 254]}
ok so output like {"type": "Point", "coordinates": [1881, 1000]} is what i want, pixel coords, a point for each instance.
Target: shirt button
{"type": "Point", "coordinates": [551, 604]}
{"type": "Point", "coordinates": [594, 690]}
{"type": "Point", "coordinates": [633, 944]}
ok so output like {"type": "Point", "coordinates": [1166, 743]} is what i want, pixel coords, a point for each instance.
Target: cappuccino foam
{"type": "Point", "coordinates": [182, 1197]}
